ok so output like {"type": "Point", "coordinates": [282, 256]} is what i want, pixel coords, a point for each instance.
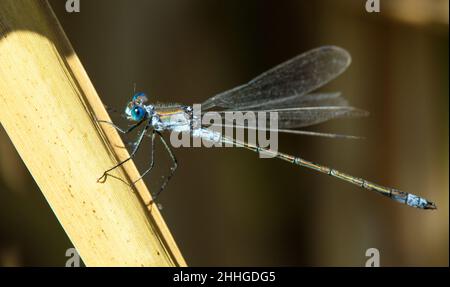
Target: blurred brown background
{"type": "Point", "coordinates": [226, 206]}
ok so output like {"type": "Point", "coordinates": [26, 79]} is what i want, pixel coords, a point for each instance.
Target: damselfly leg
{"type": "Point", "coordinates": [130, 129]}
{"type": "Point", "coordinates": [135, 149]}
{"type": "Point", "coordinates": [136, 146]}
{"type": "Point", "coordinates": [152, 163]}
{"type": "Point", "coordinates": [172, 169]}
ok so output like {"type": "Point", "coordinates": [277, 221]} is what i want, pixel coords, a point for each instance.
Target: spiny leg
{"type": "Point", "coordinates": [152, 163]}
{"type": "Point", "coordinates": [138, 143]}
{"type": "Point", "coordinates": [113, 110]}
{"type": "Point", "coordinates": [120, 129]}
{"type": "Point", "coordinates": [128, 144]}
{"type": "Point", "coordinates": [172, 169]}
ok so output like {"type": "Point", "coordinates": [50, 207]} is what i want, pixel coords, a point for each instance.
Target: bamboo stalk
{"type": "Point", "coordinates": [48, 107]}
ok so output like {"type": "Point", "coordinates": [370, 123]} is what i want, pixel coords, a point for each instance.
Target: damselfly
{"type": "Point", "coordinates": [285, 89]}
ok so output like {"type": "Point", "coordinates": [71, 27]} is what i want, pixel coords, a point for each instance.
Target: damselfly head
{"type": "Point", "coordinates": [135, 109]}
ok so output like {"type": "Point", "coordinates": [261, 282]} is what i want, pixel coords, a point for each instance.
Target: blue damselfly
{"type": "Point", "coordinates": [286, 89]}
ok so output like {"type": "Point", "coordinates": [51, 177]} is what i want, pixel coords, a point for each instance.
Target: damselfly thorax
{"type": "Point", "coordinates": [173, 117]}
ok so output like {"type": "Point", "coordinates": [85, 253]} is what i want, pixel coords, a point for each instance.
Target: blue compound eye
{"type": "Point", "coordinates": [137, 113]}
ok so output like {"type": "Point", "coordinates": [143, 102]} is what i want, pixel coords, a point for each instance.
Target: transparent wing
{"type": "Point", "coordinates": [288, 118]}
{"type": "Point", "coordinates": [218, 127]}
{"type": "Point", "coordinates": [309, 100]}
{"type": "Point", "coordinates": [288, 81]}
